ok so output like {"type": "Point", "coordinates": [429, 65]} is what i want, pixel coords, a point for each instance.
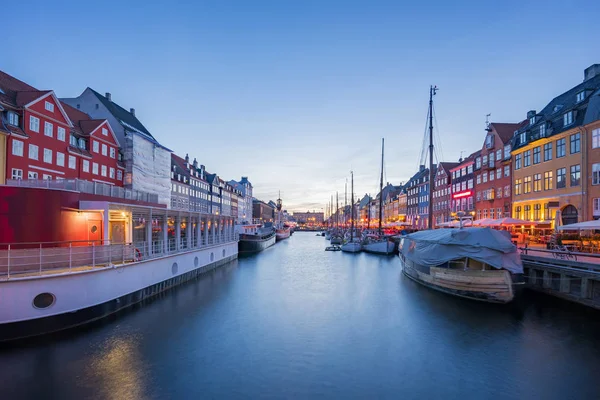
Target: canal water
{"type": "Point", "coordinates": [298, 322]}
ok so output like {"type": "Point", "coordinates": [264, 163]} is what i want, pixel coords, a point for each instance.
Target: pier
{"type": "Point", "coordinates": [571, 276]}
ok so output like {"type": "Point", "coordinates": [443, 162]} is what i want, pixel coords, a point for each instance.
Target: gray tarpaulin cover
{"type": "Point", "coordinates": [435, 247]}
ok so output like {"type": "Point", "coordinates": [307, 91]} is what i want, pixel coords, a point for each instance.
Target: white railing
{"type": "Point", "coordinates": [26, 259]}
{"type": "Point", "coordinates": [83, 186]}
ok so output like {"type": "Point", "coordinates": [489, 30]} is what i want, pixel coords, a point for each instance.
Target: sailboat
{"type": "Point", "coordinates": [380, 244]}
{"type": "Point", "coordinates": [475, 263]}
{"type": "Point", "coordinates": [282, 231]}
{"type": "Point", "coordinates": [352, 246]}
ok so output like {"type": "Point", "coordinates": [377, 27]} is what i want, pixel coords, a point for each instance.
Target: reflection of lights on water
{"type": "Point", "coordinates": [120, 370]}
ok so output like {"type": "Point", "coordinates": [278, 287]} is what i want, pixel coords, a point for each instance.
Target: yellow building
{"type": "Point", "coordinates": [549, 158]}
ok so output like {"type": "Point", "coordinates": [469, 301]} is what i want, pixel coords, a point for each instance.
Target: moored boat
{"type": "Point", "coordinates": [282, 230]}
{"type": "Point", "coordinates": [255, 238]}
{"type": "Point", "coordinates": [475, 263]}
{"type": "Point", "coordinates": [383, 246]}
{"type": "Point", "coordinates": [353, 244]}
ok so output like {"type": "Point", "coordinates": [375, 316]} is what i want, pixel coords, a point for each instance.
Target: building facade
{"type": "Point", "coordinates": [309, 218]}
{"type": "Point", "coordinates": [442, 196]}
{"type": "Point", "coordinates": [245, 209]}
{"type": "Point", "coordinates": [550, 157]}
{"type": "Point", "coordinates": [262, 211]}
{"type": "Point", "coordinates": [463, 185]}
{"type": "Point", "coordinates": [493, 172]}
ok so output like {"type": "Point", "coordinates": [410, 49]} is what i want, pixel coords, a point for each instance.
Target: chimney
{"type": "Point", "coordinates": [202, 167]}
{"type": "Point", "coordinates": [108, 96]}
{"type": "Point", "coordinates": [591, 71]}
{"type": "Point", "coordinates": [195, 163]}
{"type": "Point", "coordinates": [187, 157]}
{"type": "Point", "coordinates": [421, 168]}
{"type": "Point", "coordinates": [132, 111]}
{"type": "Point", "coordinates": [531, 114]}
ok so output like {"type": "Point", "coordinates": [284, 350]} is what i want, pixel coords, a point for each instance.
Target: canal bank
{"type": "Point", "coordinates": [295, 321]}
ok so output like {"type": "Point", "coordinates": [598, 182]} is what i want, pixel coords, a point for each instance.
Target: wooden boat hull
{"type": "Point", "coordinates": [493, 286]}
{"type": "Point", "coordinates": [352, 247]}
{"type": "Point", "coordinates": [381, 247]}
{"type": "Point", "coordinates": [248, 245]}
{"type": "Point", "coordinates": [282, 234]}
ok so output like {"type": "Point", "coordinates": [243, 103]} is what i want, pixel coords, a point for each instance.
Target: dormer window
{"type": "Point", "coordinates": [13, 118]}
{"type": "Point", "coordinates": [81, 143]}
{"type": "Point", "coordinates": [532, 120]}
{"type": "Point", "coordinates": [522, 137]}
{"type": "Point", "coordinates": [543, 130]}
{"type": "Point", "coordinates": [580, 96]}
{"type": "Point", "coordinates": [73, 141]}
{"type": "Point", "coordinates": [568, 118]}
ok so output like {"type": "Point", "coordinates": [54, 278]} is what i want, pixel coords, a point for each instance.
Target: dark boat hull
{"type": "Point", "coordinates": [248, 245]}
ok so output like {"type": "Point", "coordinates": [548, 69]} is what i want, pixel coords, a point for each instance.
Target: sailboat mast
{"type": "Point", "coordinates": [432, 90]}
{"type": "Point", "coordinates": [337, 211]}
{"type": "Point", "coordinates": [352, 205]}
{"type": "Point", "coordinates": [381, 189]}
{"type": "Point", "coordinates": [345, 202]}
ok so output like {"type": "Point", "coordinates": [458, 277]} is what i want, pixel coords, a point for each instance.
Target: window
{"type": "Point", "coordinates": [478, 179]}
{"type": "Point", "coordinates": [112, 173]}
{"type": "Point", "coordinates": [33, 152]}
{"type": "Point", "coordinates": [119, 175]}
{"type": "Point", "coordinates": [548, 180]}
{"type": "Point", "coordinates": [81, 144]}
{"type": "Point", "coordinates": [49, 106]}
{"type": "Point", "coordinates": [104, 150]}
{"type": "Point", "coordinates": [478, 162]}
{"type": "Point", "coordinates": [526, 212]}
{"type": "Point", "coordinates": [527, 158]}
{"type": "Point", "coordinates": [13, 118]}
{"type": "Point", "coordinates": [561, 150]}
{"type": "Point", "coordinates": [470, 169]}
{"type": "Point", "coordinates": [561, 179]}
{"type": "Point", "coordinates": [95, 168]}
{"type": "Point", "coordinates": [522, 137]}
{"type": "Point", "coordinates": [17, 174]}
{"type": "Point", "coordinates": [492, 160]}
{"type": "Point", "coordinates": [60, 159]}
{"type": "Point", "coordinates": [72, 140]}
{"type": "Point", "coordinates": [103, 170]}
{"type": "Point", "coordinates": [34, 123]}
{"type": "Point", "coordinates": [491, 213]}
{"type": "Point", "coordinates": [491, 176]}
{"type": "Point", "coordinates": [527, 185]}
{"type": "Point", "coordinates": [105, 131]}
{"type": "Point", "coordinates": [96, 146]}
{"type": "Point", "coordinates": [575, 143]}
{"type": "Point", "coordinates": [568, 118]}
{"type": "Point", "coordinates": [517, 187]}
{"type": "Point", "coordinates": [580, 96]}
{"type": "Point", "coordinates": [48, 129]}
{"type": "Point", "coordinates": [575, 175]}
{"type": "Point", "coordinates": [595, 174]}
{"type": "Point", "coordinates": [32, 175]}
{"type": "Point", "coordinates": [507, 191]}
{"type": "Point", "coordinates": [499, 192]}
{"type": "Point", "coordinates": [537, 182]}
{"type": "Point", "coordinates": [17, 148]}
{"type": "Point", "coordinates": [506, 170]}
{"type": "Point", "coordinates": [463, 185]}
{"type": "Point", "coordinates": [518, 212]}
{"type": "Point", "coordinates": [499, 173]}
{"type": "Point", "coordinates": [548, 151]}
{"type": "Point", "coordinates": [498, 154]}
{"type": "Point", "coordinates": [85, 166]}
{"type": "Point", "coordinates": [536, 154]}
{"type": "Point", "coordinates": [485, 160]}
{"type": "Point", "coordinates": [596, 138]}
{"type": "Point", "coordinates": [47, 177]}
{"type": "Point", "coordinates": [72, 162]}
{"type": "Point", "coordinates": [536, 211]}
{"type": "Point", "coordinates": [507, 152]}
{"type": "Point", "coordinates": [546, 212]}
{"type": "Point", "coordinates": [517, 162]}
{"type": "Point", "coordinates": [113, 152]}
{"type": "Point", "coordinates": [60, 133]}
{"type": "Point", "coordinates": [543, 130]}
{"type": "Point", "coordinates": [470, 184]}
{"type": "Point", "coordinates": [485, 176]}
{"type": "Point", "coordinates": [48, 156]}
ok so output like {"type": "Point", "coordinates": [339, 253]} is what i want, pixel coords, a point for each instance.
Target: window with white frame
{"type": "Point", "coordinates": [596, 174]}
{"type": "Point", "coordinates": [32, 175]}
{"type": "Point", "coordinates": [49, 106]}
{"type": "Point", "coordinates": [568, 118]}
{"type": "Point", "coordinates": [506, 170]}
{"type": "Point", "coordinates": [47, 177]}
{"type": "Point", "coordinates": [72, 140]}
{"type": "Point", "coordinates": [17, 148]}
{"type": "Point", "coordinates": [596, 138]}
{"type": "Point", "coordinates": [95, 168]}
{"type": "Point", "coordinates": [499, 173]}
{"type": "Point", "coordinates": [507, 152]}
{"type": "Point", "coordinates": [119, 175]}
{"type": "Point", "coordinates": [34, 123]}
{"type": "Point", "coordinates": [85, 166]}
{"type": "Point", "coordinates": [104, 150]}
{"type": "Point", "coordinates": [48, 156]}
{"type": "Point", "coordinates": [96, 146]}
{"type": "Point", "coordinates": [596, 206]}
{"type": "Point", "coordinates": [478, 179]}
{"type": "Point", "coordinates": [105, 131]}
{"type": "Point", "coordinates": [113, 152]}
{"type": "Point", "coordinates": [60, 133]}
{"type": "Point", "coordinates": [103, 170]}
{"type": "Point", "coordinates": [13, 118]}
{"type": "Point", "coordinates": [60, 159]}
{"type": "Point", "coordinates": [48, 129]}
{"type": "Point", "coordinates": [111, 173]}
{"type": "Point", "coordinates": [16, 173]}
{"type": "Point", "coordinates": [580, 96]}
{"type": "Point", "coordinates": [543, 130]}
{"type": "Point", "coordinates": [34, 152]}
{"type": "Point", "coordinates": [72, 162]}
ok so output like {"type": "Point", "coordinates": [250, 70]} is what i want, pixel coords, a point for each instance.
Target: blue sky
{"type": "Point", "coordinates": [295, 94]}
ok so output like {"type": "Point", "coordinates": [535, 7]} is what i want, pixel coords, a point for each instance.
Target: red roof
{"type": "Point", "coordinates": [82, 122]}
{"type": "Point", "coordinates": [505, 130]}
{"type": "Point", "coordinates": [24, 98]}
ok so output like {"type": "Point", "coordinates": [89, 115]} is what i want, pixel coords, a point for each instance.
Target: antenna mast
{"type": "Point", "coordinates": [381, 189]}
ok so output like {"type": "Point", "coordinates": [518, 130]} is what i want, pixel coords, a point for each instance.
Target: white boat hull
{"type": "Point", "coordinates": [352, 247]}
{"type": "Point", "coordinates": [380, 247]}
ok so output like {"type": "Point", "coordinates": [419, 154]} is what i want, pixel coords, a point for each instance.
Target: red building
{"type": "Point", "coordinates": [442, 196]}
{"type": "Point", "coordinates": [463, 185]}
{"type": "Point", "coordinates": [493, 172]}
{"type": "Point", "coordinates": [48, 139]}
